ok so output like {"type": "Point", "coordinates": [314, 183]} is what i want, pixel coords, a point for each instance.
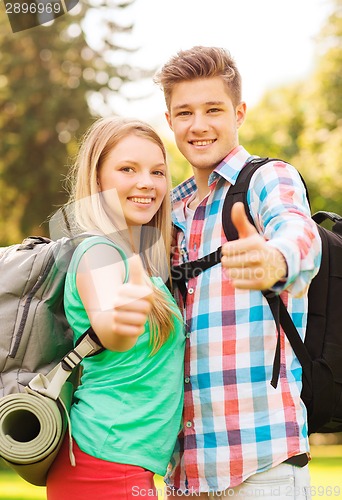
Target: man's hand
{"type": "Point", "coordinates": [249, 262]}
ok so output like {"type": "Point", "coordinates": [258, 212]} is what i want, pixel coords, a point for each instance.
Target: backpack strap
{"type": "Point", "coordinates": [322, 216]}
{"type": "Point", "coordinates": [182, 273]}
{"type": "Point", "coordinates": [51, 384]}
{"type": "Point", "coordinates": [238, 192]}
{"type": "Point", "coordinates": [281, 317]}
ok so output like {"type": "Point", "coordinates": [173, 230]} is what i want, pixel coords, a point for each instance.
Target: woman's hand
{"type": "Point", "coordinates": [133, 302]}
{"type": "Point", "coordinates": [116, 310]}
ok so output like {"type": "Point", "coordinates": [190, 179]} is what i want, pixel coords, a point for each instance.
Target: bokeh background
{"type": "Point", "coordinates": [99, 58]}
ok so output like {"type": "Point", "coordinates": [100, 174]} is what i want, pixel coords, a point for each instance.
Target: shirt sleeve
{"type": "Point", "coordinates": [280, 209]}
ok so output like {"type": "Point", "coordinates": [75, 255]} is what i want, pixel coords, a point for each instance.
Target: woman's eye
{"type": "Point", "coordinates": [159, 172]}
{"type": "Point", "coordinates": [126, 169]}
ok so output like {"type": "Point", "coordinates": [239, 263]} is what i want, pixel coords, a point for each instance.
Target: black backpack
{"type": "Point", "coordinates": [321, 353]}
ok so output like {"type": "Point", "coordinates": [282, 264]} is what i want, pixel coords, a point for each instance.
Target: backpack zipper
{"type": "Point", "coordinates": [27, 304]}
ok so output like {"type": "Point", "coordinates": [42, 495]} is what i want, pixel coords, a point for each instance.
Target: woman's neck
{"type": "Point", "coordinates": [134, 236]}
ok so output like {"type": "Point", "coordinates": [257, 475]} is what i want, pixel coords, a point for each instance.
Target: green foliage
{"type": "Point", "coordinates": [273, 126]}
{"type": "Point", "coordinates": [53, 83]}
{"type": "Point", "coordinates": [179, 166]}
{"type": "Point", "coordinates": [303, 123]}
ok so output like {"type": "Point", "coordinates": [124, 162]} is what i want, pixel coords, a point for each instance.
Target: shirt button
{"type": "Point", "coordinates": [190, 291]}
{"type": "Point", "coordinates": [188, 335]}
{"type": "Point", "coordinates": [187, 380]}
{"type": "Point", "coordinates": [188, 424]}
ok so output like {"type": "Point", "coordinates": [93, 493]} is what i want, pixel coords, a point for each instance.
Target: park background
{"type": "Point", "coordinates": [99, 60]}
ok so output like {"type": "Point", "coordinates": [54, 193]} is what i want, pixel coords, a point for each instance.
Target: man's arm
{"type": "Point", "coordinates": [286, 234]}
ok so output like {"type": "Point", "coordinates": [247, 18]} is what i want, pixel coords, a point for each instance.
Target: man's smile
{"type": "Point", "coordinates": [202, 142]}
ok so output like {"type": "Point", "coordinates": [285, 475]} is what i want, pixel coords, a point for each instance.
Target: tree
{"type": "Point", "coordinates": [180, 168]}
{"type": "Point", "coordinates": [302, 123]}
{"type": "Point", "coordinates": [53, 83]}
{"type": "Point", "coordinates": [321, 141]}
{"type": "Point", "coordinates": [273, 126]}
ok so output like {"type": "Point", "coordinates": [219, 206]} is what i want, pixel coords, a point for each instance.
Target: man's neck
{"type": "Point", "coordinates": [201, 179]}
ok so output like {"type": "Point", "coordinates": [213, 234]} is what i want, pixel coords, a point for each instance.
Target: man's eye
{"type": "Point", "coordinates": [183, 113]}
{"type": "Point", "coordinates": [214, 110]}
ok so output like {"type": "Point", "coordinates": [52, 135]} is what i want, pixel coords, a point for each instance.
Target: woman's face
{"type": "Point", "coordinates": [133, 176]}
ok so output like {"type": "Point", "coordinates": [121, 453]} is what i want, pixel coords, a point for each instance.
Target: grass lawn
{"type": "Point", "coordinates": [326, 472]}
{"type": "Point", "coordinates": [325, 468]}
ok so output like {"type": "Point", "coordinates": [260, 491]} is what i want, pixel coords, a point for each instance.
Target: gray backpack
{"type": "Point", "coordinates": [35, 334]}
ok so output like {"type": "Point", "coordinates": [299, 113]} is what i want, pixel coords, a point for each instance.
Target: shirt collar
{"type": "Point", "coordinates": [229, 168]}
{"type": "Point", "coordinates": [180, 195]}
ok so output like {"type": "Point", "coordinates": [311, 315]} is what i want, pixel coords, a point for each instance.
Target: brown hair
{"type": "Point", "coordinates": [200, 62]}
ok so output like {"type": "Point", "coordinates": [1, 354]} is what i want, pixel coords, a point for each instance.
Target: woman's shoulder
{"type": "Point", "coordinates": [88, 241]}
{"type": "Point", "coordinates": [99, 249]}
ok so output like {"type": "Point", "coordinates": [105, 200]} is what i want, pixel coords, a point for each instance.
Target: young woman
{"type": "Point", "coordinates": [127, 409]}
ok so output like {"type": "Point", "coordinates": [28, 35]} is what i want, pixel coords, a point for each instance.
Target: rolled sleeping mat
{"type": "Point", "coordinates": [32, 428]}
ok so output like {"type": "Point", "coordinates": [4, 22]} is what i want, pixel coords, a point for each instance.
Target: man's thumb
{"type": "Point", "coordinates": [137, 275]}
{"type": "Point", "coordinates": [241, 222]}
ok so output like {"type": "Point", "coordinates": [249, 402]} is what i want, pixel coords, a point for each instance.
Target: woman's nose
{"type": "Point", "coordinates": [145, 181]}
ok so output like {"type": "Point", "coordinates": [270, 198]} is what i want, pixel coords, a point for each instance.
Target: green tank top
{"type": "Point", "coordinates": [129, 404]}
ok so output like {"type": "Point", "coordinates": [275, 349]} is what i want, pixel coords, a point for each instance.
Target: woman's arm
{"type": "Point", "coordinates": [117, 310]}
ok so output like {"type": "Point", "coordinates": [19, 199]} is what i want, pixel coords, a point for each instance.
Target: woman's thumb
{"type": "Point", "coordinates": [137, 275]}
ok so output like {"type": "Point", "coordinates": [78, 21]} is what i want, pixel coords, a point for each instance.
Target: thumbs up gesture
{"type": "Point", "coordinates": [249, 262]}
{"type": "Point", "coordinates": [133, 302]}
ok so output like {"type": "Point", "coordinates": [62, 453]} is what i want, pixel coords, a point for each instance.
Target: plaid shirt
{"type": "Point", "coordinates": [235, 423]}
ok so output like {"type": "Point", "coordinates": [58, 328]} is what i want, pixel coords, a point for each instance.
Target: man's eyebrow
{"type": "Point", "coordinates": [208, 103]}
{"type": "Point", "coordinates": [214, 103]}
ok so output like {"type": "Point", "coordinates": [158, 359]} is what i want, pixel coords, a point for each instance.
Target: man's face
{"type": "Point", "coordinates": [204, 121]}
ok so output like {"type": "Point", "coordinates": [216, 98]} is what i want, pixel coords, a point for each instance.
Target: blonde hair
{"type": "Point", "coordinates": [90, 213]}
{"type": "Point", "coordinates": [200, 62]}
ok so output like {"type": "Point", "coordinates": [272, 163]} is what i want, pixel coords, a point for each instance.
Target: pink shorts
{"type": "Point", "coordinates": [96, 479]}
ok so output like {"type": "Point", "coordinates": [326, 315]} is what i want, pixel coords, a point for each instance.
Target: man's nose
{"type": "Point", "coordinates": [199, 123]}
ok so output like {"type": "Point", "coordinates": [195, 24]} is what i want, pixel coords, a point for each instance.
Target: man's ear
{"type": "Point", "coordinates": [240, 112]}
{"type": "Point", "coordinates": [168, 119]}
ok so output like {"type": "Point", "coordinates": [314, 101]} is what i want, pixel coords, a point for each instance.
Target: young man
{"type": "Point", "coordinates": [240, 434]}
